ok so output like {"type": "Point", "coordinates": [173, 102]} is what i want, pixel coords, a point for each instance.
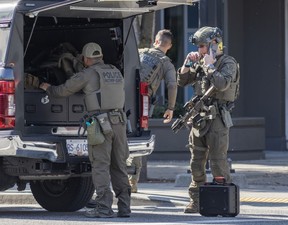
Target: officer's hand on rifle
{"type": "Point", "coordinates": [168, 115]}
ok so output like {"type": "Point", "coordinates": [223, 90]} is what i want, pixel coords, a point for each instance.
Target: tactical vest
{"type": "Point", "coordinates": [111, 93]}
{"type": "Point", "coordinates": [232, 92]}
{"type": "Point", "coordinates": [151, 62]}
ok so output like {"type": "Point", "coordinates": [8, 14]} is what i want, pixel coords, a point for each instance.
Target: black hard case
{"type": "Point", "coordinates": [219, 199]}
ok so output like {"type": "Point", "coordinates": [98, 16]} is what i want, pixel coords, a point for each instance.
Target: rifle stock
{"type": "Point", "coordinates": [192, 111]}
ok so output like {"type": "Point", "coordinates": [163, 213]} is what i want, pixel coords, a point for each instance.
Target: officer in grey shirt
{"type": "Point", "coordinates": [155, 67]}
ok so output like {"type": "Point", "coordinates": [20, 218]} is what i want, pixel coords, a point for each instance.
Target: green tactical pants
{"type": "Point", "coordinates": [137, 162]}
{"type": "Point", "coordinates": [109, 164]}
{"type": "Point", "coordinates": [213, 146]}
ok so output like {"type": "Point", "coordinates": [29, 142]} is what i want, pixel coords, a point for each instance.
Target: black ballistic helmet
{"type": "Point", "coordinates": [205, 35]}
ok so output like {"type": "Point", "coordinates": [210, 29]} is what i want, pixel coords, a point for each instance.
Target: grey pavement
{"type": "Point", "coordinates": [262, 180]}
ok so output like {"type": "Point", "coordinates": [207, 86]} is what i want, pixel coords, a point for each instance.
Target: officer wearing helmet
{"type": "Point", "coordinates": [209, 139]}
{"type": "Point", "coordinates": [103, 85]}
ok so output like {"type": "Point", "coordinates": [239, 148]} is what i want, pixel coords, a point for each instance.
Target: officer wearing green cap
{"type": "Point", "coordinates": [103, 85]}
{"type": "Point", "coordinates": [209, 139]}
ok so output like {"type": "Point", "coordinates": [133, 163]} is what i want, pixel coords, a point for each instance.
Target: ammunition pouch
{"type": "Point", "coordinates": [116, 117]}
{"type": "Point", "coordinates": [99, 124]}
{"type": "Point", "coordinates": [104, 123]}
{"type": "Point", "coordinates": [205, 125]}
{"type": "Point", "coordinates": [202, 121]}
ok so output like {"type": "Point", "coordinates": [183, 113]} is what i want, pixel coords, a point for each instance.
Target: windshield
{"type": "Point", "coordinates": [6, 14]}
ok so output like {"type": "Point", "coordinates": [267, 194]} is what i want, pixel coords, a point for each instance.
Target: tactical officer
{"type": "Point", "coordinates": [155, 67]}
{"type": "Point", "coordinates": [209, 135]}
{"type": "Point", "coordinates": [103, 85]}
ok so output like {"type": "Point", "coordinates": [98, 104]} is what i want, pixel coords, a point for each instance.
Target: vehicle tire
{"type": "Point", "coordinates": [63, 195]}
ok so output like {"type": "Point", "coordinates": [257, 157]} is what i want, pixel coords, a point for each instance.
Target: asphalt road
{"type": "Point", "coordinates": [265, 201]}
{"type": "Point", "coordinates": [152, 214]}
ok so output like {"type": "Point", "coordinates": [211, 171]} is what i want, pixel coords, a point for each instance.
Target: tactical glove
{"type": "Point", "coordinates": [31, 82]}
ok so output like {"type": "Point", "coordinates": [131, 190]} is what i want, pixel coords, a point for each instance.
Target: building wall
{"type": "Point", "coordinates": [256, 38]}
{"type": "Point", "coordinates": [254, 33]}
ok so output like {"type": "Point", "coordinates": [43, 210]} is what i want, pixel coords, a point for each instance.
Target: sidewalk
{"type": "Point", "coordinates": [266, 182]}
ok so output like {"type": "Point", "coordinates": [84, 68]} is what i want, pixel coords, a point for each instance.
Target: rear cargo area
{"type": "Point", "coordinates": [53, 53]}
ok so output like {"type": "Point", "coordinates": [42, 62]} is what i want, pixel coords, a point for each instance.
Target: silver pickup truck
{"type": "Point", "coordinates": [39, 135]}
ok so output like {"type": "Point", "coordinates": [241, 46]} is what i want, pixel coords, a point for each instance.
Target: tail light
{"type": "Point", "coordinates": [144, 98]}
{"type": "Point", "coordinates": [7, 104]}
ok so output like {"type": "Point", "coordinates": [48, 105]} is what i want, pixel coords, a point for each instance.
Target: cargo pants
{"type": "Point", "coordinates": [213, 146]}
{"type": "Point", "coordinates": [137, 162]}
{"type": "Point", "coordinates": [108, 162]}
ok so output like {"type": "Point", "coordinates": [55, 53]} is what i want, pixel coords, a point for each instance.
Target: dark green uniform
{"type": "Point", "coordinates": [211, 139]}
{"type": "Point", "coordinates": [103, 86]}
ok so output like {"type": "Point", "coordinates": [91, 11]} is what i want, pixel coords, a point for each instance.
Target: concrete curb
{"type": "Point", "coordinates": [17, 198]}
{"type": "Point", "coordinates": [13, 198]}
{"type": "Point", "coordinates": [156, 198]}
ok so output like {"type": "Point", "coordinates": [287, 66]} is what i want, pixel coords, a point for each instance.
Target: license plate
{"type": "Point", "coordinates": [77, 147]}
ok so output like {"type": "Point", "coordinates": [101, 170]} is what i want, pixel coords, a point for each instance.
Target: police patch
{"type": "Point", "coordinates": [112, 77]}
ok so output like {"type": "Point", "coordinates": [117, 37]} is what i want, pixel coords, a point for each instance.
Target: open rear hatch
{"type": "Point", "coordinates": [48, 24]}
{"type": "Point", "coordinates": [51, 25]}
{"type": "Point", "coordinates": [97, 8]}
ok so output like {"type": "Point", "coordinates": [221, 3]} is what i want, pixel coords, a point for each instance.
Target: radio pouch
{"type": "Point", "coordinates": [226, 117]}
{"type": "Point", "coordinates": [104, 123]}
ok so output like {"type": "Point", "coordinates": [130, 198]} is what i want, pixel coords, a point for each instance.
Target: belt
{"type": "Point", "coordinates": [98, 112]}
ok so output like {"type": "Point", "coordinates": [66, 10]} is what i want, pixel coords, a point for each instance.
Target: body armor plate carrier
{"type": "Point", "coordinates": [150, 64]}
{"type": "Point", "coordinates": [111, 94]}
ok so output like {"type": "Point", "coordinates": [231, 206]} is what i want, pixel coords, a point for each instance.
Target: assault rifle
{"type": "Point", "coordinates": [192, 108]}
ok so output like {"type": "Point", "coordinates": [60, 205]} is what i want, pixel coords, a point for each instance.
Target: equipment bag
{"type": "Point", "coordinates": [94, 133]}
{"type": "Point", "coordinates": [219, 198]}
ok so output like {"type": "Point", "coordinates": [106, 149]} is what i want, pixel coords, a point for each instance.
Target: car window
{"type": "Point", "coordinates": [6, 10]}
{"type": "Point", "coordinates": [6, 14]}
{"type": "Point", "coordinates": [4, 34]}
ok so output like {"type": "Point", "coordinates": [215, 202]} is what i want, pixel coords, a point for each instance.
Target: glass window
{"type": "Point", "coordinates": [193, 16]}
{"type": "Point", "coordinates": [4, 36]}
{"type": "Point", "coordinates": [6, 14]}
{"type": "Point", "coordinates": [6, 10]}
{"type": "Point", "coordinates": [173, 20]}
